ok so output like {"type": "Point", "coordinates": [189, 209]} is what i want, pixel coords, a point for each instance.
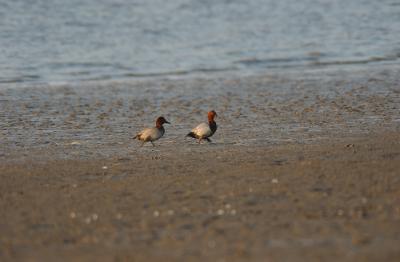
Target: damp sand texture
{"type": "Point", "coordinates": [316, 177]}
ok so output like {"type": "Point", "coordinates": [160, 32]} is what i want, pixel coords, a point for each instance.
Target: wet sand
{"type": "Point", "coordinates": [303, 167]}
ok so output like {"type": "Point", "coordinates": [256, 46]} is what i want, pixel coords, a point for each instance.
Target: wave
{"type": "Point", "coordinates": [179, 72]}
{"type": "Point", "coordinates": [309, 61]}
{"type": "Point", "coordinates": [19, 79]}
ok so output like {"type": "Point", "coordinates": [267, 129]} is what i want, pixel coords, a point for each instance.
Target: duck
{"type": "Point", "coordinates": [204, 130]}
{"type": "Point", "coordinates": [152, 134]}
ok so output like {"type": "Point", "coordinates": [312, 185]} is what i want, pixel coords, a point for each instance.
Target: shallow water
{"type": "Point", "coordinates": [63, 41]}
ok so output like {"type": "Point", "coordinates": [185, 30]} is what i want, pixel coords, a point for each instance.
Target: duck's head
{"type": "Point", "coordinates": [160, 121]}
{"type": "Point", "coordinates": [211, 115]}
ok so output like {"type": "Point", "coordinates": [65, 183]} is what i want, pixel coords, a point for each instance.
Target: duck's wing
{"type": "Point", "coordinates": [203, 130]}
{"type": "Point", "coordinates": [147, 134]}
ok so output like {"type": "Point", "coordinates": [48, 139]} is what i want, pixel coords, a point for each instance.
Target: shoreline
{"type": "Point", "coordinates": [265, 109]}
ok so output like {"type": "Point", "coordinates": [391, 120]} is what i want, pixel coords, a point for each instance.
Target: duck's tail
{"type": "Point", "coordinates": [191, 134]}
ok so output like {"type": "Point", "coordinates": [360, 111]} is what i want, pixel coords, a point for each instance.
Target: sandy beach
{"type": "Point", "coordinates": [304, 167]}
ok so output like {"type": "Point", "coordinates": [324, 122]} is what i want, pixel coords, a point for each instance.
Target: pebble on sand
{"type": "Point", "coordinates": [95, 217]}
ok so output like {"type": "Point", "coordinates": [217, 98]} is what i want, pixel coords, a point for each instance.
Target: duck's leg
{"type": "Point", "coordinates": [142, 143]}
{"type": "Point", "coordinates": [152, 143]}
{"type": "Point", "coordinates": [199, 140]}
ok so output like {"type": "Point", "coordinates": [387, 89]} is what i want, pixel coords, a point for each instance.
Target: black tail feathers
{"type": "Point", "coordinates": [191, 134]}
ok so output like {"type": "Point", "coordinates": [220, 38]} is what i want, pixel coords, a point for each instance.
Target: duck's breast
{"type": "Point", "coordinates": [202, 130]}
